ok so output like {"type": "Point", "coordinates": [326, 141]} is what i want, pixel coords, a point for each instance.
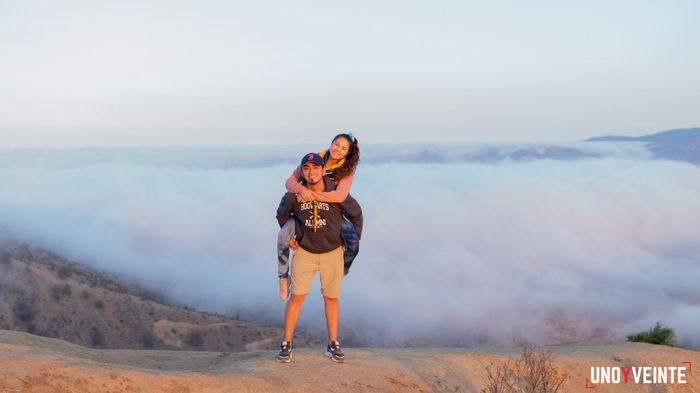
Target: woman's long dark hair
{"type": "Point", "coordinates": [351, 160]}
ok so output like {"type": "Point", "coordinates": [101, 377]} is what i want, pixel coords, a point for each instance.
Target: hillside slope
{"type": "Point", "coordinates": [44, 294]}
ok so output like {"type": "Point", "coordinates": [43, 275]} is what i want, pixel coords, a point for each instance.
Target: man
{"type": "Point", "coordinates": [318, 246]}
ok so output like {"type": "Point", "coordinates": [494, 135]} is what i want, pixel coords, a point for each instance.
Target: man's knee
{"type": "Point", "coordinates": [297, 299]}
{"type": "Point", "coordinates": [330, 299]}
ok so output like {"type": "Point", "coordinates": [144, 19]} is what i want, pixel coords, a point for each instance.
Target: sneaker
{"type": "Point", "coordinates": [284, 288]}
{"type": "Point", "coordinates": [285, 354]}
{"type": "Point", "coordinates": [334, 352]}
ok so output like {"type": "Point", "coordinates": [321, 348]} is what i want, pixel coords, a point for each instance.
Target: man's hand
{"type": "Point", "coordinates": [293, 244]}
{"type": "Point", "coordinates": [306, 195]}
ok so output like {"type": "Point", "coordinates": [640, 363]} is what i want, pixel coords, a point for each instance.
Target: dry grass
{"type": "Point", "coordinates": [533, 372]}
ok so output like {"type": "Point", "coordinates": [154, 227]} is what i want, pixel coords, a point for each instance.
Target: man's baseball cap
{"type": "Point", "coordinates": [312, 157]}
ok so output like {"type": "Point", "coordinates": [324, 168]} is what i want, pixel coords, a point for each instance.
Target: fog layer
{"type": "Point", "coordinates": [452, 253]}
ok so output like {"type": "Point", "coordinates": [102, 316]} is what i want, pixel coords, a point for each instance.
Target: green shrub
{"type": "Point", "coordinates": [23, 312]}
{"type": "Point", "coordinates": [659, 335]}
{"type": "Point", "coordinates": [64, 272]}
{"type": "Point", "coordinates": [58, 293]}
{"type": "Point", "coordinates": [96, 337]}
{"type": "Point", "coordinates": [195, 339]}
{"type": "Point", "coordinates": [149, 340]}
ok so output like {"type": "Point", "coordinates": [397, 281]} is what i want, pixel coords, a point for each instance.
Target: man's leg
{"type": "Point", "coordinates": [304, 266]}
{"type": "Point", "coordinates": [331, 270]}
{"type": "Point", "coordinates": [331, 279]}
{"type": "Point", "coordinates": [291, 315]}
{"type": "Point", "coordinates": [333, 350]}
{"type": "Point", "coordinates": [332, 317]}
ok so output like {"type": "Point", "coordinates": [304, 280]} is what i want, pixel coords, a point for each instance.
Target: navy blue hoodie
{"type": "Point", "coordinates": [318, 223]}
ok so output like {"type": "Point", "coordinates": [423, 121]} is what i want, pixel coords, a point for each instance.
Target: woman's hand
{"type": "Point", "coordinates": [293, 244]}
{"type": "Point", "coordinates": [306, 195]}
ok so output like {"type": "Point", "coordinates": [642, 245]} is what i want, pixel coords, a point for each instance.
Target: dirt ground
{"type": "Point", "coordinates": [38, 364]}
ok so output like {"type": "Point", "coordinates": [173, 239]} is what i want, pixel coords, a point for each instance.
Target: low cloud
{"type": "Point", "coordinates": [452, 253]}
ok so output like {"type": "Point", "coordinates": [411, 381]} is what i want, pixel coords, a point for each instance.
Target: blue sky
{"type": "Point", "coordinates": [79, 73]}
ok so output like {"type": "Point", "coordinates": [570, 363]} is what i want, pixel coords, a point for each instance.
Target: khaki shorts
{"type": "Point", "coordinates": [330, 265]}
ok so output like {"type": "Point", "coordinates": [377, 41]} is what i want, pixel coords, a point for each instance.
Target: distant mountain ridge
{"type": "Point", "coordinates": [680, 135]}
{"type": "Point", "coordinates": [677, 144]}
{"type": "Point", "coordinates": [681, 144]}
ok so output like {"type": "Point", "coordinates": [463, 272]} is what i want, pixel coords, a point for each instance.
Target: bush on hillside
{"type": "Point", "coordinates": [96, 337]}
{"type": "Point", "coordinates": [659, 335]}
{"type": "Point", "coordinates": [149, 340]}
{"type": "Point", "coordinates": [533, 372]}
{"type": "Point", "coordinates": [23, 312]}
{"type": "Point", "coordinates": [64, 272]}
{"type": "Point", "coordinates": [195, 339]}
{"type": "Point", "coordinates": [58, 293]}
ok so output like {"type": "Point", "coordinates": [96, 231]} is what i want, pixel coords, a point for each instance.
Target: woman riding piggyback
{"type": "Point", "coordinates": [340, 162]}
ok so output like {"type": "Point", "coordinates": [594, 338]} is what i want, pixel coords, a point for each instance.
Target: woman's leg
{"type": "Point", "coordinates": [352, 243]}
{"type": "Point", "coordinates": [285, 234]}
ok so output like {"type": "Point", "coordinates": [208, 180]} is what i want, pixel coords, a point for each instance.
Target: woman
{"type": "Point", "coordinates": [341, 159]}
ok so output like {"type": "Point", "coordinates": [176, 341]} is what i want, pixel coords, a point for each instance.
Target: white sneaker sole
{"type": "Point", "coordinates": [285, 360]}
{"type": "Point", "coordinates": [334, 359]}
